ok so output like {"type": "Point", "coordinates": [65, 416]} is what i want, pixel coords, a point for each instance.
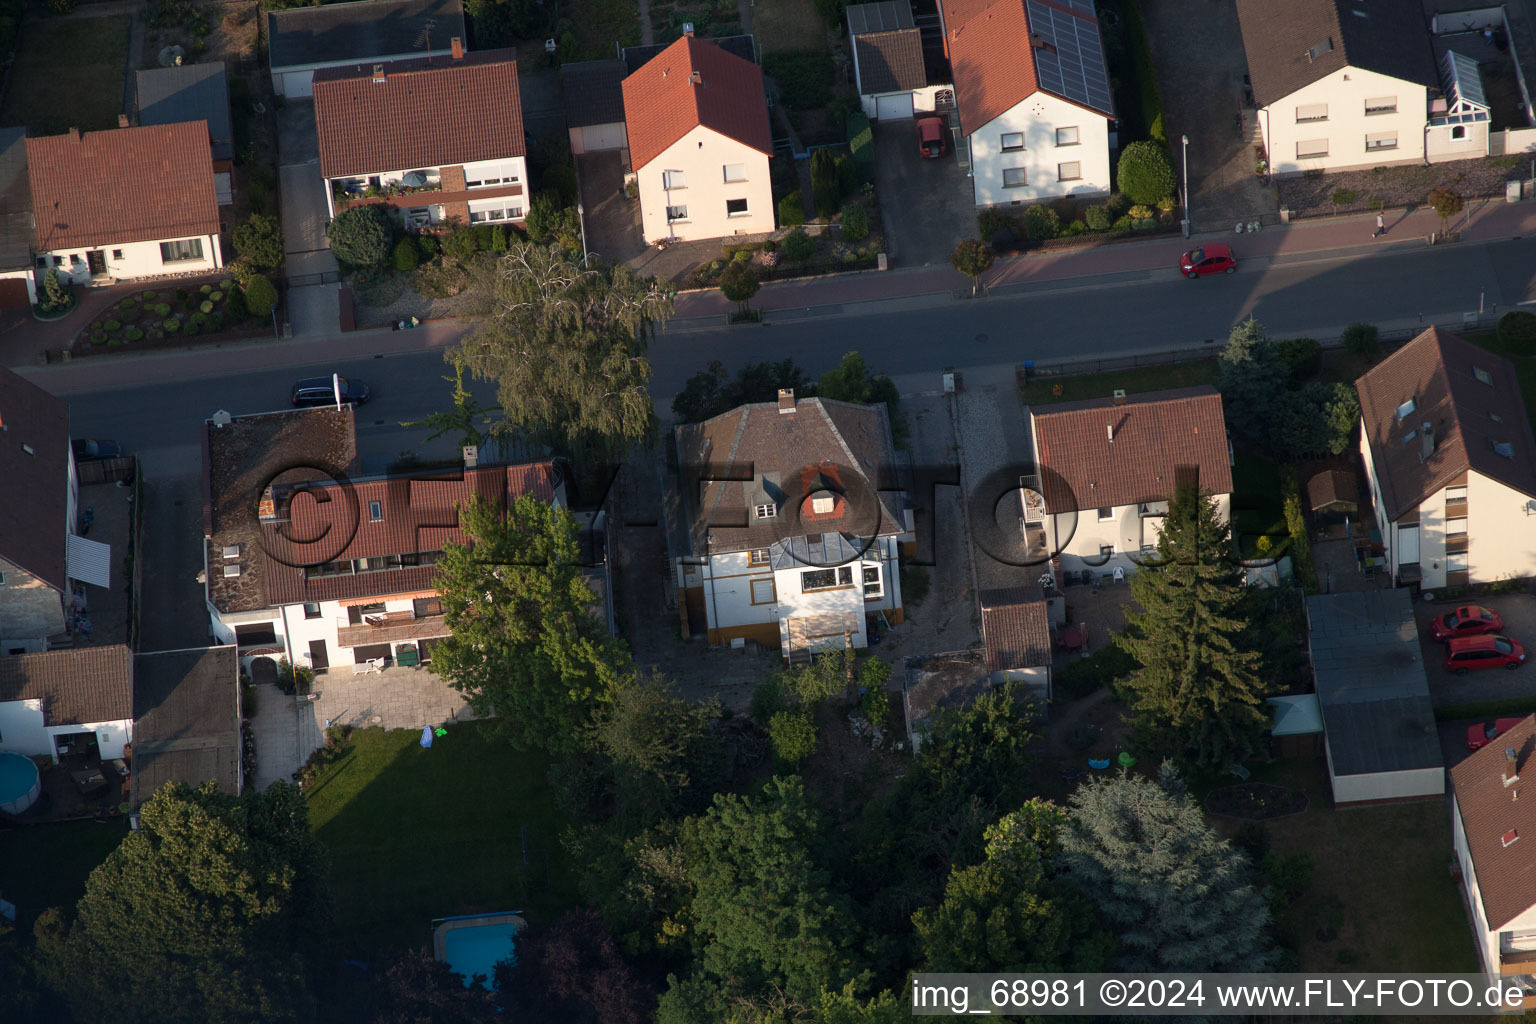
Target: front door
{"type": "Point", "coordinates": [97, 260]}
{"type": "Point", "coordinates": [317, 656]}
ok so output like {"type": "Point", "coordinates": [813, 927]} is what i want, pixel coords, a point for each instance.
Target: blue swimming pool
{"type": "Point", "coordinates": [473, 945]}
{"type": "Point", "coordinates": [19, 783]}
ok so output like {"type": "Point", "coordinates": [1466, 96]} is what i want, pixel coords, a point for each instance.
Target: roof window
{"type": "Point", "coordinates": [1483, 375]}
{"type": "Point", "coordinates": [1406, 409]}
{"type": "Point", "coordinates": [1509, 837]}
{"type": "Point", "coordinates": [1316, 50]}
{"type": "Point", "coordinates": [1504, 448]}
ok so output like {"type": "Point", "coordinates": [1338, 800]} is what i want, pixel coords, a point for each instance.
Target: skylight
{"type": "Point", "coordinates": [1405, 410]}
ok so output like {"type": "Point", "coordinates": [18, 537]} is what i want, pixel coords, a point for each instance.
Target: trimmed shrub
{"type": "Point", "coordinates": [260, 296]}
{"type": "Point", "coordinates": [461, 244]}
{"type": "Point", "coordinates": [215, 296]}
{"type": "Point", "coordinates": [1360, 339]}
{"type": "Point", "coordinates": [1098, 218]}
{"type": "Point", "coordinates": [407, 255]}
{"type": "Point", "coordinates": [170, 326]}
{"type": "Point", "coordinates": [132, 334]}
{"type": "Point", "coordinates": [360, 237]}
{"type": "Point", "coordinates": [114, 343]}
{"type": "Point", "coordinates": [792, 210]}
{"type": "Point", "coordinates": [798, 246]}
{"type": "Point", "coordinates": [1517, 329]}
{"type": "Point", "coordinates": [847, 175]}
{"type": "Point", "coordinates": [825, 189]}
{"type": "Point", "coordinates": [205, 306]}
{"type": "Point", "coordinates": [1344, 196]}
{"type": "Point", "coordinates": [1145, 175]}
{"type": "Point", "coordinates": [113, 325]}
{"type": "Point", "coordinates": [484, 237]}
{"type": "Point", "coordinates": [259, 241]}
{"type": "Point", "coordinates": [234, 309]}
{"type": "Point", "coordinates": [855, 222]}
{"type": "Point", "coordinates": [162, 309]}
{"type": "Point", "coordinates": [127, 303]}
{"type": "Point", "coordinates": [205, 289]}
{"type": "Point", "coordinates": [1040, 223]}
{"type": "Point", "coordinates": [97, 337]}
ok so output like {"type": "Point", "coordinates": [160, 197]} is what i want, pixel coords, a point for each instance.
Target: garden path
{"type": "Point", "coordinates": [647, 35]}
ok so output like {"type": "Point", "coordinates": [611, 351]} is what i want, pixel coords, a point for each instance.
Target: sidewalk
{"type": "Point", "coordinates": [1490, 220]}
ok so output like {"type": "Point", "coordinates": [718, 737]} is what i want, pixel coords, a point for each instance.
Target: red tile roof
{"type": "Point", "coordinates": [990, 57]}
{"type": "Point", "coordinates": [1154, 434]}
{"type": "Point", "coordinates": [1014, 628]}
{"type": "Point", "coordinates": [93, 684]}
{"type": "Point", "coordinates": [124, 185]}
{"type": "Point", "coordinates": [662, 103]}
{"type": "Point", "coordinates": [1506, 875]}
{"type": "Point", "coordinates": [426, 113]}
{"type": "Point", "coordinates": [32, 532]}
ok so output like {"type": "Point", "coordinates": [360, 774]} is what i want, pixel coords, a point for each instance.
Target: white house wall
{"type": "Point", "coordinates": [1076, 537]}
{"type": "Point", "coordinates": [1037, 118]}
{"type": "Point", "coordinates": [1440, 146]}
{"type": "Point", "coordinates": [924, 101]}
{"type": "Point", "coordinates": [1487, 942]}
{"type": "Point", "coordinates": [22, 731]}
{"type": "Point", "coordinates": [702, 156]}
{"type": "Point", "coordinates": [126, 260]}
{"type": "Point", "coordinates": [1423, 782]}
{"type": "Point", "coordinates": [1345, 93]}
{"type": "Point", "coordinates": [294, 631]}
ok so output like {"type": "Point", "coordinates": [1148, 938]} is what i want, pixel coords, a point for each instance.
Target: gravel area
{"type": "Point", "coordinates": [1397, 187]}
{"type": "Point", "coordinates": [403, 302]}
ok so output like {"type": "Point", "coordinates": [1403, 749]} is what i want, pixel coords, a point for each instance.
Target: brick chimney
{"type": "Point", "coordinates": [786, 402]}
{"type": "Point", "coordinates": [122, 120]}
{"type": "Point", "coordinates": [456, 45]}
{"type": "Point", "coordinates": [378, 74]}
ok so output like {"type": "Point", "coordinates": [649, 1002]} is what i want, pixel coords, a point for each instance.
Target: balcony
{"type": "Point", "coordinates": [389, 628]}
{"type": "Point", "coordinates": [381, 195]}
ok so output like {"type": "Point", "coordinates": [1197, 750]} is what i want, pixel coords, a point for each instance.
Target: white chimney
{"type": "Point", "coordinates": [378, 74]}
{"type": "Point", "coordinates": [1426, 441]}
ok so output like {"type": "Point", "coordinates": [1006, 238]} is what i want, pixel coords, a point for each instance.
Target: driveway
{"type": "Point", "coordinates": [1201, 98]}
{"type": "Point", "coordinates": [926, 206]}
{"type": "Point", "coordinates": [1519, 614]}
{"type": "Point", "coordinates": [304, 208]}
{"type": "Point", "coordinates": [612, 219]}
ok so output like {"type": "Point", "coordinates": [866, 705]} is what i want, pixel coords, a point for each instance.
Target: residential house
{"type": "Point", "coordinates": [1034, 97]}
{"type": "Point", "coordinates": [789, 525]}
{"type": "Point", "coordinates": [193, 92]}
{"type": "Point", "coordinates": [128, 203]}
{"type": "Point", "coordinates": [594, 105]}
{"type": "Point", "coordinates": [186, 728]}
{"type": "Point", "coordinates": [1380, 737]}
{"type": "Point", "coordinates": [697, 122]}
{"type": "Point", "coordinates": [1342, 84]}
{"type": "Point", "coordinates": [301, 40]}
{"type": "Point", "coordinates": [1016, 636]}
{"type": "Point", "coordinates": [1450, 463]}
{"type": "Point", "coordinates": [1106, 469]}
{"type": "Point", "coordinates": [890, 71]}
{"type": "Point", "coordinates": [432, 138]}
{"type": "Point", "coordinates": [18, 284]}
{"type": "Point", "coordinates": [43, 563]}
{"type": "Point", "coordinates": [53, 701]}
{"type": "Point", "coordinates": [1492, 825]}
{"type": "Point", "coordinates": [363, 592]}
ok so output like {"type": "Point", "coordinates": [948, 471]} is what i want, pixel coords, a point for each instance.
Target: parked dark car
{"type": "Point", "coordinates": [1490, 650]}
{"type": "Point", "coordinates": [1468, 620]}
{"type": "Point", "coordinates": [315, 391]}
{"type": "Point", "coordinates": [1208, 259]}
{"type": "Point", "coordinates": [1484, 733]}
{"type": "Point", "coordinates": [95, 449]}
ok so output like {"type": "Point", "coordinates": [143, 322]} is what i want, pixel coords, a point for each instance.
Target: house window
{"type": "Point", "coordinates": [117, 254]}
{"type": "Point", "coordinates": [1105, 550]}
{"type": "Point", "coordinates": [375, 511]}
{"type": "Point", "coordinates": [767, 511]}
{"type": "Point", "coordinates": [763, 592]}
{"type": "Point", "coordinates": [735, 172]}
{"type": "Point", "coordinates": [42, 262]}
{"type": "Point", "coordinates": [1072, 171]}
{"type": "Point", "coordinates": [180, 252]}
{"type": "Point", "coordinates": [826, 579]}
{"type": "Point", "coordinates": [481, 215]}
{"type": "Point", "coordinates": [758, 556]}
{"type": "Point", "coordinates": [1106, 514]}
{"type": "Point", "coordinates": [1066, 136]}
{"type": "Point", "coordinates": [1456, 526]}
{"type": "Point", "coordinates": [872, 584]}
{"type": "Point", "coordinates": [735, 207]}
{"type": "Point", "coordinates": [2, 579]}
{"type": "Point", "coordinates": [1458, 133]}
{"type": "Point", "coordinates": [1015, 177]}
{"type": "Point", "coordinates": [674, 179]}
{"type": "Point", "coordinates": [356, 613]}
{"type": "Point", "coordinates": [1456, 561]}
{"type": "Point", "coordinates": [823, 505]}
{"type": "Point", "coordinates": [378, 563]}
{"type": "Point", "coordinates": [424, 606]}
{"type": "Point", "coordinates": [495, 174]}
{"type": "Point", "coordinates": [311, 610]}
{"type": "Point", "coordinates": [677, 213]}
{"type": "Point", "coordinates": [1012, 142]}
{"type": "Point", "coordinates": [1456, 495]}
{"type": "Point", "coordinates": [1375, 141]}
{"type": "Point", "coordinates": [1309, 112]}
{"type": "Point", "coordinates": [1381, 105]}
{"type": "Point", "coordinates": [1311, 149]}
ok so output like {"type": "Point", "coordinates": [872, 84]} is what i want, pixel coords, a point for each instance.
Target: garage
{"type": "Point", "coordinates": [13, 293]}
{"type": "Point", "coordinates": [594, 105]}
{"type": "Point", "coordinates": [598, 137]}
{"type": "Point", "coordinates": [889, 108]}
{"type": "Point", "coordinates": [299, 84]}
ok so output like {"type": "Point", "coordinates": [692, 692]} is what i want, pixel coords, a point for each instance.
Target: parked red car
{"type": "Point", "coordinates": [1468, 620]}
{"type": "Point", "coordinates": [1465, 653]}
{"type": "Point", "coordinates": [932, 137]}
{"type": "Point", "coordinates": [1485, 733]}
{"type": "Point", "coordinates": [1208, 259]}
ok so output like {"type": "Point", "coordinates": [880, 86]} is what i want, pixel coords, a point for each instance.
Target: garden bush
{"type": "Point", "coordinates": [804, 79]}
{"type": "Point", "coordinates": [260, 296]}
{"type": "Point", "coordinates": [429, 246]}
{"type": "Point", "coordinates": [825, 189]}
{"type": "Point", "coordinates": [132, 334]}
{"type": "Point", "coordinates": [181, 295]}
{"type": "Point", "coordinates": [1040, 222]}
{"type": "Point", "coordinates": [360, 237]}
{"type": "Point", "coordinates": [1360, 339]}
{"type": "Point", "coordinates": [170, 326]}
{"type": "Point", "coordinates": [97, 337]}
{"type": "Point", "coordinates": [847, 175]}
{"type": "Point", "coordinates": [206, 306]}
{"type": "Point", "coordinates": [1303, 357]}
{"type": "Point", "coordinates": [1145, 175]}
{"type": "Point", "coordinates": [992, 224]}
{"type": "Point", "coordinates": [113, 325]}
{"type": "Point", "coordinates": [127, 303]}
{"type": "Point", "coordinates": [1344, 196]}
{"type": "Point", "coordinates": [1517, 329]}
{"type": "Point", "coordinates": [205, 289]}
{"type": "Point", "coordinates": [1101, 668]}
{"type": "Point", "coordinates": [1098, 218]}
{"type": "Point", "coordinates": [234, 308]}
{"type": "Point", "coordinates": [259, 241]}
{"type": "Point", "coordinates": [215, 295]}
{"type": "Point", "coordinates": [461, 244]}
{"type": "Point", "coordinates": [407, 255]}
{"type": "Point", "coordinates": [114, 343]}
{"type": "Point", "coordinates": [792, 210]}
{"type": "Point", "coordinates": [485, 235]}
{"type": "Point", "coordinates": [161, 309]}
{"type": "Point", "coordinates": [798, 246]}
{"type": "Point", "coordinates": [855, 222]}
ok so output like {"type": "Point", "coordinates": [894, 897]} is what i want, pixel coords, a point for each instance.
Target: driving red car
{"type": "Point", "coordinates": [1468, 620]}
{"type": "Point", "coordinates": [1208, 259]}
{"type": "Point", "coordinates": [1484, 733]}
{"type": "Point", "coordinates": [1490, 650]}
{"type": "Point", "coordinates": [932, 137]}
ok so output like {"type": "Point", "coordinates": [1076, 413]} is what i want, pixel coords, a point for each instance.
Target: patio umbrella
{"type": "Point", "coordinates": [426, 735]}
{"type": "Point", "coordinates": [415, 179]}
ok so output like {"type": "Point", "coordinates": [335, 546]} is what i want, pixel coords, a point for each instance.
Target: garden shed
{"type": "Point", "coordinates": [1378, 724]}
{"type": "Point", "coordinates": [1298, 728]}
{"type": "Point", "coordinates": [1333, 490]}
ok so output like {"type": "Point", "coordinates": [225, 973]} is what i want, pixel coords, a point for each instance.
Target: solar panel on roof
{"type": "Point", "coordinates": [1075, 70]}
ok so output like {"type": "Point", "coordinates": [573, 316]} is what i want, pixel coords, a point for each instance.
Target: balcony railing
{"type": "Point", "coordinates": [345, 196]}
{"type": "Point", "coordinates": [389, 628]}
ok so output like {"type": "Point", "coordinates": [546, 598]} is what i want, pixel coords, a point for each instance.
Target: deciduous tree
{"type": "Point", "coordinates": [360, 236]}
{"type": "Point", "coordinates": [713, 391]}
{"type": "Point", "coordinates": [259, 241]}
{"type": "Point", "coordinates": [660, 748]}
{"type": "Point", "coordinates": [468, 418]}
{"type": "Point", "coordinates": [571, 972]}
{"type": "Point", "coordinates": [738, 283]}
{"type": "Point", "coordinates": [417, 988]}
{"type": "Point", "coordinates": [973, 257]}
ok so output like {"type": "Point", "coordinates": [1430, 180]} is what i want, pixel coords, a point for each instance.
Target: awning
{"type": "Point", "coordinates": [89, 561]}
{"type": "Point", "coordinates": [380, 598]}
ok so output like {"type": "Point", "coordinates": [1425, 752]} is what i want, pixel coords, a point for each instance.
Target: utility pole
{"type": "Point", "coordinates": [1185, 140]}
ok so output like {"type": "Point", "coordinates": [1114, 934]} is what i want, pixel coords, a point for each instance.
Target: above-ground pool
{"type": "Point", "coordinates": [19, 783]}
{"type": "Point", "coordinates": [473, 944]}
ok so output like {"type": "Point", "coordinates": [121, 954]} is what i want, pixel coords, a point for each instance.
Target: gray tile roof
{"type": "Point", "coordinates": [592, 92]}
{"type": "Point", "coordinates": [879, 17]}
{"type": "Point", "coordinates": [1015, 628]}
{"type": "Point", "coordinates": [890, 61]}
{"type": "Point", "coordinates": [359, 31]}
{"type": "Point", "coordinates": [1369, 671]}
{"type": "Point", "coordinates": [77, 687]}
{"type": "Point", "coordinates": [186, 720]}
{"type": "Point", "coordinates": [191, 92]}
{"type": "Point", "coordinates": [16, 229]}
{"type": "Point", "coordinates": [1291, 45]}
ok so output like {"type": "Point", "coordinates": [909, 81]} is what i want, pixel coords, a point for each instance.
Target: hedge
{"type": "Point", "coordinates": [1517, 329]}
{"type": "Point", "coordinates": [861, 143]}
{"type": "Point", "coordinates": [1145, 74]}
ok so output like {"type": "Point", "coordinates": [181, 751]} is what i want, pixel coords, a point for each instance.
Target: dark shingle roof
{"type": "Point", "coordinates": [890, 61]}
{"type": "Point", "coordinates": [1369, 671]}
{"type": "Point", "coordinates": [186, 720]}
{"type": "Point", "coordinates": [1471, 398]}
{"type": "Point", "coordinates": [594, 93]}
{"type": "Point", "coordinates": [190, 92]}
{"type": "Point", "coordinates": [32, 531]}
{"type": "Point", "coordinates": [361, 31]}
{"type": "Point", "coordinates": [16, 232]}
{"type": "Point", "coordinates": [1015, 628]}
{"type": "Point", "coordinates": [1291, 45]}
{"type": "Point", "coordinates": [426, 113]}
{"type": "Point", "coordinates": [1155, 435]}
{"type": "Point", "coordinates": [80, 687]}
{"type": "Point", "coordinates": [1506, 873]}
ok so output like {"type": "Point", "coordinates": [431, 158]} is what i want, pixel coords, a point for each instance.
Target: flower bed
{"type": "Point", "coordinates": [166, 315]}
{"type": "Point", "coordinates": [1324, 195]}
{"type": "Point", "coordinates": [1255, 801]}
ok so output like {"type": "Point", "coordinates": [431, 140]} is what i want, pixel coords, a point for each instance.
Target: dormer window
{"type": "Point", "coordinates": [823, 504]}
{"type": "Point", "coordinates": [767, 511]}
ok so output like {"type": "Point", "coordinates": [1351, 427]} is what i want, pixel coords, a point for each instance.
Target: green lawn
{"type": "Point", "coordinates": [44, 866]}
{"type": "Point", "coordinates": [1257, 507]}
{"type": "Point", "coordinates": [417, 833]}
{"type": "Point", "coordinates": [598, 24]}
{"type": "Point", "coordinates": [1042, 390]}
{"type": "Point", "coordinates": [68, 74]}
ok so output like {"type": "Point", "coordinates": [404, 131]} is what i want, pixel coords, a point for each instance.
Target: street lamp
{"type": "Point", "coordinates": [581, 219]}
{"type": "Point", "coordinates": [1185, 140]}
